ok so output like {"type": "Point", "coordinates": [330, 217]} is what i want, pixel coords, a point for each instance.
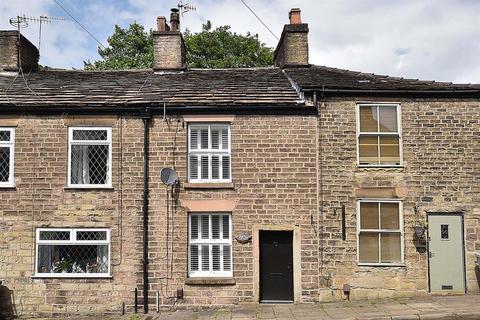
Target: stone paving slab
{"type": "Point", "coordinates": [441, 308]}
{"type": "Point", "coordinates": [424, 308]}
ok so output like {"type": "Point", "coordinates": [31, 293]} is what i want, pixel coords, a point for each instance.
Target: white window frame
{"type": "Point", "coordinates": [11, 145]}
{"type": "Point", "coordinates": [209, 152]}
{"type": "Point", "coordinates": [401, 231]}
{"type": "Point", "coordinates": [210, 242]}
{"type": "Point", "coordinates": [378, 133]}
{"type": "Point", "coordinates": [90, 142]}
{"type": "Point", "coordinates": [72, 241]}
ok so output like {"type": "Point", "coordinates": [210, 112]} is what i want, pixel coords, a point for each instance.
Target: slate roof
{"type": "Point", "coordinates": [332, 78]}
{"type": "Point", "coordinates": [195, 87]}
{"type": "Point", "coordinates": [255, 87]}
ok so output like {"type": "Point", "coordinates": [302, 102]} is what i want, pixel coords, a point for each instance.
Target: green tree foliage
{"type": "Point", "coordinates": [220, 48]}
{"type": "Point", "coordinates": [132, 48]}
{"type": "Point", "coordinates": [129, 48]}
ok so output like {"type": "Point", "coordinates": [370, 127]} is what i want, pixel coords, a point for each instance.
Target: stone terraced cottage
{"type": "Point", "coordinates": [194, 187]}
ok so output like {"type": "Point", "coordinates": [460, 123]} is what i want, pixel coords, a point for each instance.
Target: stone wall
{"type": "Point", "coordinates": [8, 48]}
{"type": "Point", "coordinates": [274, 183]}
{"type": "Point", "coordinates": [40, 199]}
{"type": "Point", "coordinates": [168, 50]}
{"type": "Point", "coordinates": [292, 48]}
{"type": "Point", "coordinates": [441, 160]}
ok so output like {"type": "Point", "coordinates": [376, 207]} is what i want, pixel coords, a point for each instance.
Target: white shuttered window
{"type": "Point", "coordinates": [209, 153]}
{"type": "Point", "coordinates": [209, 245]}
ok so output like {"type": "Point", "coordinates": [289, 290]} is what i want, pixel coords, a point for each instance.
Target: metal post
{"type": "Point", "coordinates": [136, 300]}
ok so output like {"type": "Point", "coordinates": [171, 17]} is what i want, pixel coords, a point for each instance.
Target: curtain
{"type": "Point", "coordinates": [102, 259]}
{"type": "Point", "coordinates": [80, 165]}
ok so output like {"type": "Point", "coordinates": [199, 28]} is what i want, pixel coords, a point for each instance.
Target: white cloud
{"type": "Point", "coordinates": [428, 39]}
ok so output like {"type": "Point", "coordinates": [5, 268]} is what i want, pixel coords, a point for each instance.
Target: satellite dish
{"type": "Point", "coordinates": [168, 176]}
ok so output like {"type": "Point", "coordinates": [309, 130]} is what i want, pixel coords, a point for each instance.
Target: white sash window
{"type": "Point", "coordinates": [380, 232]}
{"type": "Point", "coordinates": [379, 135]}
{"type": "Point", "coordinates": [209, 245]}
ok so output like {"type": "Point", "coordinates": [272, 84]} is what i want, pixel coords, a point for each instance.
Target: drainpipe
{"type": "Point", "coordinates": [146, 116]}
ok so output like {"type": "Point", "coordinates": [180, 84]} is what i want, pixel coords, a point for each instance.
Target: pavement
{"type": "Point", "coordinates": [423, 308]}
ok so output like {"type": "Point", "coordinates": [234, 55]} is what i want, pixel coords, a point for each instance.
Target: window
{"type": "Point", "coordinates": [209, 153]}
{"type": "Point", "coordinates": [444, 231]}
{"type": "Point", "coordinates": [378, 132]}
{"type": "Point", "coordinates": [73, 252]}
{"type": "Point", "coordinates": [210, 245]}
{"type": "Point", "coordinates": [380, 232]}
{"type": "Point", "coordinates": [89, 157]}
{"type": "Point", "coordinates": [7, 141]}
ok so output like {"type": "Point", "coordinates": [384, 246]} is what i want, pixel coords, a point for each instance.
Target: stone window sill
{"type": "Point", "coordinates": [213, 185]}
{"type": "Point", "coordinates": [8, 187]}
{"type": "Point", "coordinates": [210, 281]}
{"type": "Point", "coordinates": [71, 276]}
{"type": "Point", "coordinates": [376, 265]}
{"type": "Point", "coordinates": [381, 167]}
{"type": "Point", "coordinates": [89, 188]}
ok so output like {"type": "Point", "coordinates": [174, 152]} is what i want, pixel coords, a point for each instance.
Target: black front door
{"type": "Point", "coordinates": [276, 266]}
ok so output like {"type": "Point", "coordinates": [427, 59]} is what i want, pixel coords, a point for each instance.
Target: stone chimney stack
{"type": "Point", "coordinates": [16, 52]}
{"type": "Point", "coordinates": [169, 53]}
{"type": "Point", "coordinates": [292, 49]}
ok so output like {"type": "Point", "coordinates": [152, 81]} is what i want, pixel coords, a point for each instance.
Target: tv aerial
{"type": "Point", "coordinates": [22, 22]}
{"type": "Point", "coordinates": [168, 176]}
{"type": "Point", "coordinates": [185, 7]}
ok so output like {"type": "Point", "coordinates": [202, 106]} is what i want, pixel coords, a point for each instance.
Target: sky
{"type": "Point", "coordinates": [421, 39]}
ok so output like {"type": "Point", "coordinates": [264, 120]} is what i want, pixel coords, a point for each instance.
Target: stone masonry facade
{"type": "Point", "coordinates": [274, 174]}
{"type": "Point", "coordinates": [276, 161]}
{"type": "Point", "coordinates": [441, 154]}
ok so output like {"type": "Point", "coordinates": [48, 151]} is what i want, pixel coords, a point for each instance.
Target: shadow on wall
{"type": "Point", "coordinates": [477, 274]}
{"type": "Point", "coordinates": [7, 308]}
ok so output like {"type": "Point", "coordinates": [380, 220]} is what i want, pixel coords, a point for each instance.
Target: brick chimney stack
{"type": "Point", "coordinates": [292, 49]}
{"type": "Point", "coordinates": [168, 46]}
{"type": "Point", "coordinates": [15, 51]}
{"type": "Point", "coordinates": [294, 16]}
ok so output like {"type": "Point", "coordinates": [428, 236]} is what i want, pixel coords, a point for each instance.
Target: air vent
{"type": "Point", "coordinates": [447, 287]}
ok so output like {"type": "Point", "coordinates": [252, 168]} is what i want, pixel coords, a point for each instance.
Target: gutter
{"type": "Point", "coordinates": [146, 116]}
{"type": "Point", "coordinates": [157, 108]}
{"type": "Point", "coordinates": [474, 93]}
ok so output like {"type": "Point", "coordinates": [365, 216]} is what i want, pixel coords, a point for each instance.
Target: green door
{"type": "Point", "coordinates": [446, 253]}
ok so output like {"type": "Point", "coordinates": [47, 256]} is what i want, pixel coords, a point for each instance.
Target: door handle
{"type": "Point", "coordinates": [431, 254]}
{"type": "Point", "coordinates": [289, 267]}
